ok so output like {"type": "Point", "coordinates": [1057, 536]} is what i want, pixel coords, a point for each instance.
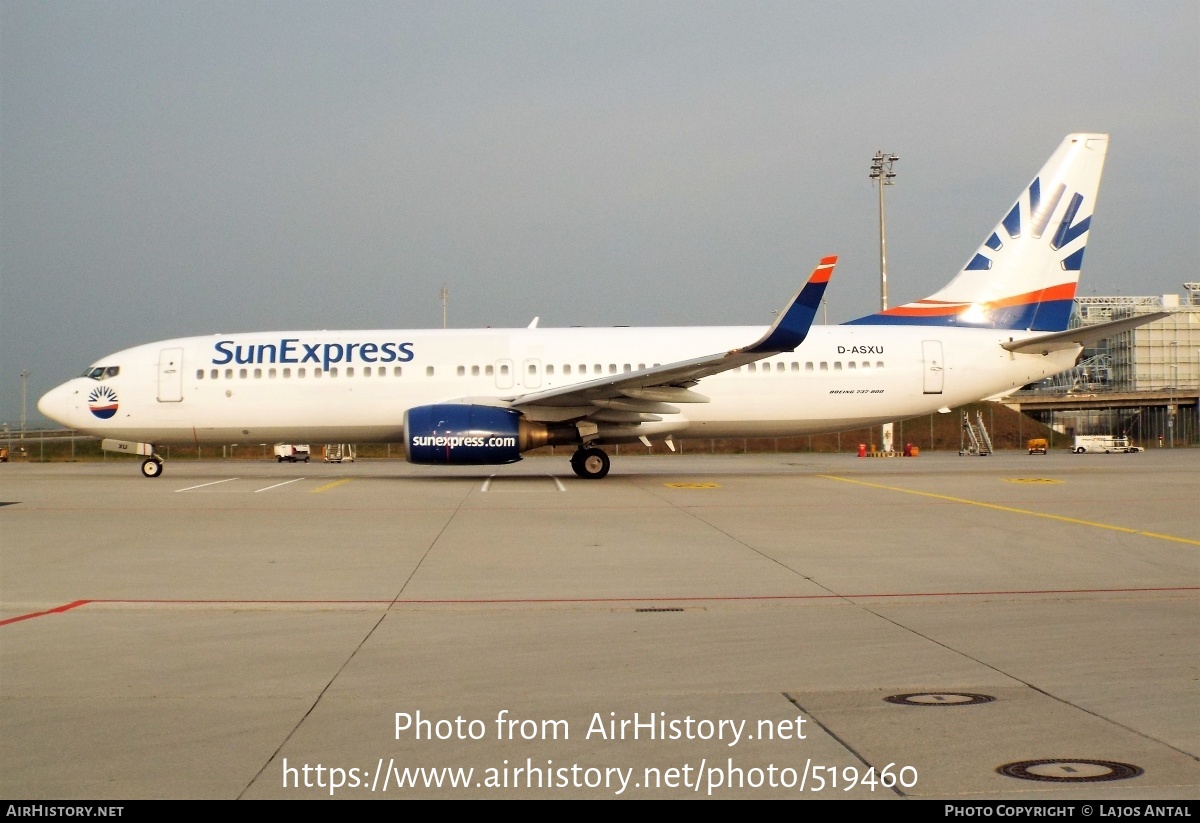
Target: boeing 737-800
{"type": "Point", "coordinates": [480, 397]}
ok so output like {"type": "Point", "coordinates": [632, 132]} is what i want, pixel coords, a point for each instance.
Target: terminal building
{"type": "Point", "coordinates": [1144, 383]}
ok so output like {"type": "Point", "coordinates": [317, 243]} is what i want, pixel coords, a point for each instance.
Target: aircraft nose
{"type": "Point", "coordinates": [61, 404]}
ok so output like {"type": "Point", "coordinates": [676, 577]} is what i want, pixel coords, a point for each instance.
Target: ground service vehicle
{"type": "Point", "coordinates": [1103, 444]}
{"type": "Point", "coordinates": [291, 453]}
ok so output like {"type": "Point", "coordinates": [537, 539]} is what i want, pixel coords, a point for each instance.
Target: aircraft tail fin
{"type": "Point", "coordinates": [1024, 275]}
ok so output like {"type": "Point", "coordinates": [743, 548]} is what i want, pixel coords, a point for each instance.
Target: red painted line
{"type": "Point", "coordinates": [551, 600]}
{"type": "Point", "coordinates": [699, 599]}
{"type": "Point", "coordinates": [57, 610]}
{"type": "Point", "coordinates": [766, 597]}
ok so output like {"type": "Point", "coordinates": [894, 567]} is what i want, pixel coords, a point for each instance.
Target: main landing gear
{"type": "Point", "coordinates": [152, 466]}
{"type": "Point", "coordinates": [590, 463]}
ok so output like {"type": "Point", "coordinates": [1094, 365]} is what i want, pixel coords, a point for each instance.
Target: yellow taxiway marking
{"type": "Point", "coordinates": [1030, 480]}
{"type": "Point", "coordinates": [330, 485]}
{"type": "Point", "coordinates": [691, 485]}
{"type": "Point", "coordinates": [1013, 510]}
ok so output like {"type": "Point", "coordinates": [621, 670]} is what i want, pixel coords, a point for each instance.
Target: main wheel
{"type": "Point", "coordinates": [590, 464]}
{"type": "Point", "coordinates": [151, 467]}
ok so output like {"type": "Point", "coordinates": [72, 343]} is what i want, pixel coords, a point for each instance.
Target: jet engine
{"type": "Point", "coordinates": [463, 434]}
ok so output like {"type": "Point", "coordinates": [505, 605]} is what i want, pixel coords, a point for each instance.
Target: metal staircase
{"type": "Point", "coordinates": [975, 438]}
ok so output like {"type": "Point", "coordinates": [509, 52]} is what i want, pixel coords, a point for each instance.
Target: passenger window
{"type": "Point", "coordinates": [462, 371]}
{"type": "Point", "coordinates": [795, 366]}
{"type": "Point", "coordinates": [597, 369]}
{"type": "Point", "coordinates": [333, 372]}
{"type": "Point", "coordinates": [549, 369]}
{"type": "Point", "coordinates": [474, 371]}
{"type": "Point", "coordinates": [779, 367]}
{"type": "Point", "coordinates": [628, 368]}
{"type": "Point", "coordinates": [271, 373]}
{"type": "Point", "coordinates": [397, 371]}
{"type": "Point", "coordinates": [879, 365]}
{"type": "Point", "coordinates": [229, 374]}
{"type": "Point", "coordinates": [567, 369]}
{"type": "Point", "coordinates": [300, 372]}
{"type": "Point", "coordinates": [532, 368]}
{"type": "Point", "coordinates": [349, 371]}
{"type": "Point", "coordinates": [214, 374]}
{"type": "Point", "coordinates": [488, 371]}
{"type": "Point", "coordinates": [504, 369]}
{"type": "Point", "coordinates": [258, 374]}
{"type": "Point", "coordinates": [866, 364]}
{"type": "Point", "coordinates": [808, 366]}
{"type": "Point", "coordinates": [850, 365]}
{"type": "Point", "coordinates": [316, 372]}
{"type": "Point", "coordinates": [612, 368]}
{"type": "Point", "coordinates": [366, 371]}
{"type": "Point", "coordinates": [429, 371]}
{"type": "Point", "coordinates": [824, 366]}
{"type": "Point", "coordinates": [199, 374]}
{"type": "Point", "coordinates": [242, 374]}
{"type": "Point", "coordinates": [287, 373]}
{"type": "Point", "coordinates": [641, 366]}
{"type": "Point", "coordinates": [837, 366]}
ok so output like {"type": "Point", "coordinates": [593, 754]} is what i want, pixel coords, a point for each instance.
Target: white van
{"type": "Point", "coordinates": [291, 452]}
{"type": "Point", "coordinates": [1103, 444]}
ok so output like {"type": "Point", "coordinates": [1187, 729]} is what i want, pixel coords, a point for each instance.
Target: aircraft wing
{"type": "Point", "coordinates": [640, 396]}
{"type": "Point", "coordinates": [1046, 343]}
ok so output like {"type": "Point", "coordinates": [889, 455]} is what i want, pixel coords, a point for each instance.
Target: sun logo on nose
{"type": "Point", "coordinates": [103, 402]}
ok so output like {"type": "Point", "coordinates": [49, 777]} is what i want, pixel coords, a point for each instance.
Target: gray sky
{"type": "Point", "coordinates": [178, 168]}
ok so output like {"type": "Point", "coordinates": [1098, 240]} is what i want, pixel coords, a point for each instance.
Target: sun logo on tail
{"type": "Point", "coordinates": [1040, 209]}
{"type": "Point", "coordinates": [103, 402]}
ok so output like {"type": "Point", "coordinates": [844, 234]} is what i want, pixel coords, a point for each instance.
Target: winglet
{"type": "Point", "coordinates": [793, 323]}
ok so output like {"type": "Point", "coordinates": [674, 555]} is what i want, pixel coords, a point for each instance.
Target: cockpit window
{"type": "Point", "coordinates": [102, 372]}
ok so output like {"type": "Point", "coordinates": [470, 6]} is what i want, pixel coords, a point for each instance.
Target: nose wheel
{"type": "Point", "coordinates": [152, 467]}
{"type": "Point", "coordinates": [590, 463]}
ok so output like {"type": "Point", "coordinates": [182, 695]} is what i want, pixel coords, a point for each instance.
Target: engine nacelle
{"type": "Point", "coordinates": [461, 434]}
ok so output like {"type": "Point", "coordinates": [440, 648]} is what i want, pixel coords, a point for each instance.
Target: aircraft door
{"type": "Point", "coordinates": [931, 351]}
{"type": "Point", "coordinates": [170, 376]}
{"type": "Point", "coordinates": [504, 374]}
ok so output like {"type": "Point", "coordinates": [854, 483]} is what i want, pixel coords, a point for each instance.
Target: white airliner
{"type": "Point", "coordinates": [484, 396]}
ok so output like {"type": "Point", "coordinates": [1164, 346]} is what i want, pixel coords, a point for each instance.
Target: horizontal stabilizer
{"type": "Point", "coordinates": [1081, 336]}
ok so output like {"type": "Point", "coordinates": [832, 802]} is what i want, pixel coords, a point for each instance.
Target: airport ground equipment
{"type": "Point", "coordinates": [291, 452]}
{"type": "Point", "coordinates": [975, 439]}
